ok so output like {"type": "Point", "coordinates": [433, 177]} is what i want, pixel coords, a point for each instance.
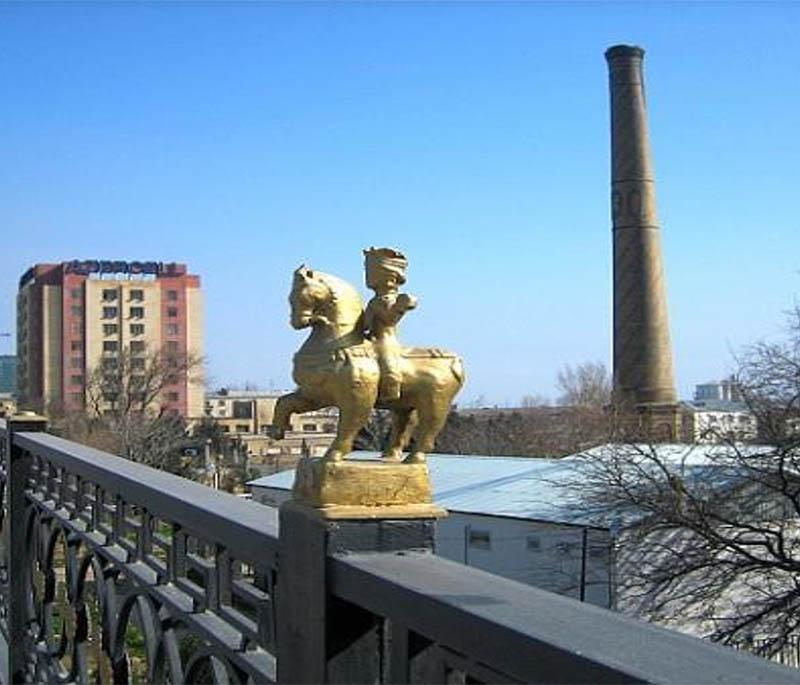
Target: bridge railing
{"type": "Point", "coordinates": [115, 572]}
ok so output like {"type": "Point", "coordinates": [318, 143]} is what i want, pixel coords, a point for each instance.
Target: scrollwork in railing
{"type": "Point", "coordinates": [139, 576]}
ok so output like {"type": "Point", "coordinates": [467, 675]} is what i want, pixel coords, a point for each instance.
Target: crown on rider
{"type": "Point", "coordinates": [384, 262]}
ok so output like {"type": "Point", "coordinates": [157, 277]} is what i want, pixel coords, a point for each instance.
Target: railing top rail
{"type": "Point", "coordinates": [244, 527]}
{"type": "Point", "coordinates": [532, 635]}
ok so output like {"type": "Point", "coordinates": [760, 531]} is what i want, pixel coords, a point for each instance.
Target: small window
{"type": "Point", "coordinates": [242, 410]}
{"type": "Point", "coordinates": [110, 346]}
{"type": "Point", "coordinates": [76, 310]}
{"type": "Point", "coordinates": [172, 397]}
{"type": "Point", "coordinates": [137, 346]}
{"type": "Point", "coordinates": [225, 429]}
{"type": "Point", "coordinates": [172, 295]}
{"type": "Point", "coordinates": [76, 328]}
{"type": "Point", "coordinates": [137, 295]}
{"type": "Point", "coordinates": [76, 379]}
{"type": "Point", "coordinates": [76, 293]}
{"type": "Point", "coordinates": [533, 543]}
{"type": "Point", "coordinates": [137, 329]}
{"type": "Point", "coordinates": [171, 346]}
{"type": "Point", "coordinates": [109, 295]}
{"type": "Point", "coordinates": [76, 363]}
{"type": "Point", "coordinates": [76, 346]}
{"type": "Point", "coordinates": [109, 363]}
{"type": "Point", "coordinates": [110, 312]}
{"type": "Point", "coordinates": [242, 428]}
{"type": "Point", "coordinates": [172, 312]}
{"type": "Point", "coordinates": [137, 312]}
{"type": "Point", "coordinates": [137, 381]}
{"type": "Point", "coordinates": [329, 428]}
{"type": "Point", "coordinates": [137, 363]}
{"type": "Point", "coordinates": [110, 329]}
{"type": "Point", "coordinates": [309, 427]}
{"type": "Point", "coordinates": [76, 397]}
{"type": "Point", "coordinates": [172, 329]}
{"type": "Point", "coordinates": [480, 539]}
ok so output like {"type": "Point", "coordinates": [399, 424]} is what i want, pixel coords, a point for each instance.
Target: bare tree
{"type": "Point", "coordinates": [127, 399]}
{"type": "Point", "coordinates": [711, 534]}
{"type": "Point", "coordinates": [585, 385]}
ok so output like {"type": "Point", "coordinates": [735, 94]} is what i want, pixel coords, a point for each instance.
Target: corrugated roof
{"type": "Point", "coordinates": [519, 487]}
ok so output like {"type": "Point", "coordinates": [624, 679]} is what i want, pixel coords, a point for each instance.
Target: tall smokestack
{"type": "Point", "coordinates": [642, 350]}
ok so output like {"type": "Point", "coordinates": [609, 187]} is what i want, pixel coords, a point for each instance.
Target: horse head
{"type": "Point", "coordinates": [320, 299]}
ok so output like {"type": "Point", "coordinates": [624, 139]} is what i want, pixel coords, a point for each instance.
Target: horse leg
{"type": "Point", "coordinates": [404, 421]}
{"type": "Point", "coordinates": [293, 403]}
{"type": "Point", "coordinates": [432, 417]}
{"type": "Point", "coordinates": [353, 416]}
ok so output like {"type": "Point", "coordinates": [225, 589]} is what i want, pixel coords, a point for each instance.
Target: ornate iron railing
{"type": "Point", "coordinates": [115, 572]}
{"type": "Point", "coordinates": [130, 573]}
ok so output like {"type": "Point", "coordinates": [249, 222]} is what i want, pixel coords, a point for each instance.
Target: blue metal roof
{"type": "Point", "coordinates": [519, 487]}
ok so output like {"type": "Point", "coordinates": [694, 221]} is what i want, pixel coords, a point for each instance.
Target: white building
{"type": "Point", "coordinates": [712, 420]}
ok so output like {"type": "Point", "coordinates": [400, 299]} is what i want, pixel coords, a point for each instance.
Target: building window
{"type": "Point", "coordinates": [172, 329]}
{"type": "Point", "coordinates": [109, 363]}
{"type": "Point", "coordinates": [76, 293]}
{"type": "Point", "coordinates": [242, 410]}
{"type": "Point", "coordinates": [329, 428]}
{"type": "Point", "coordinates": [110, 345]}
{"type": "Point", "coordinates": [76, 363]}
{"type": "Point", "coordinates": [137, 312]}
{"type": "Point", "coordinates": [109, 295]}
{"type": "Point", "coordinates": [76, 346]}
{"type": "Point", "coordinates": [172, 295]}
{"type": "Point", "coordinates": [110, 329]}
{"type": "Point", "coordinates": [480, 539]}
{"type": "Point", "coordinates": [76, 379]}
{"type": "Point", "coordinates": [309, 427]}
{"type": "Point", "coordinates": [172, 312]}
{"type": "Point", "coordinates": [242, 428]}
{"type": "Point", "coordinates": [137, 329]}
{"type": "Point", "coordinates": [171, 346]}
{"type": "Point", "coordinates": [76, 397]}
{"type": "Point", "coordinates": [76, 310]}
{"type": "Point", "coordinates": [137, 346]}
{"type": "Point", "coordinates": [109, 312]}
{"type": "Point", "coordinates": [225, 429]}
{"type": "Point", "coordinates": [137, 363]}
{"type": "Point", "coordinates": [137, 295]}
{"type": "Point", "coordinates": [172, 397]}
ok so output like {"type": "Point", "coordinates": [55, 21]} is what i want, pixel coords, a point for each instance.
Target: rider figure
{"type": "Point", "coordinates": [385, 271]}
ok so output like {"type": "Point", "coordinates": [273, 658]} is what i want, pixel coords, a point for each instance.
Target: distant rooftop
{"type": "Point", "coordinates": [518, 487]}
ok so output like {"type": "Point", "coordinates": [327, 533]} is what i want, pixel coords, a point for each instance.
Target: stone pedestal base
{"type": "Point", "coordinates": [365, 489]}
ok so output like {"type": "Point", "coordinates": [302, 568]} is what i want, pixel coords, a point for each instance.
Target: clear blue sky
{"type": "Point", "coordinates": [244, 139]}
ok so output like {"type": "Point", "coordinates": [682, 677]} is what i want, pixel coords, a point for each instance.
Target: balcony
{"type": "Point", "coordinates": [115, 572]}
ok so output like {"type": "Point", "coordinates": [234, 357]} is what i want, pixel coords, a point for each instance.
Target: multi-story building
{"type": "Point", "coordinates": [727, 390]}
{"type": "Point", "coordinates": [74, 316]}
{"type": "Point", "coordinates": [245, 416]}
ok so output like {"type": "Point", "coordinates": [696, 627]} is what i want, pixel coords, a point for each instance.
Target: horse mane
{"type": "Point", "coordinates": [344, 297]}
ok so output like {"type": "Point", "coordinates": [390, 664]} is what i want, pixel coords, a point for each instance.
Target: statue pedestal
{"type": "Point", "coordinates": [365, 489]}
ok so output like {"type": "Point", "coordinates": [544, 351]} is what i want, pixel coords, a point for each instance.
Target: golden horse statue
{"type": "Point", "coordinates": [338, 366]}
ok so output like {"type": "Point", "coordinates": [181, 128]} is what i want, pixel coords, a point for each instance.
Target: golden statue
{"type": "Point", "coordinates": [352, 360]}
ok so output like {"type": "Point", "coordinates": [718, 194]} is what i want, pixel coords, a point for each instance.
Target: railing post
{"type": "Point", "coordinates": [19, 464]}
{"type": "Point", "coordinates": [323, 639]}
